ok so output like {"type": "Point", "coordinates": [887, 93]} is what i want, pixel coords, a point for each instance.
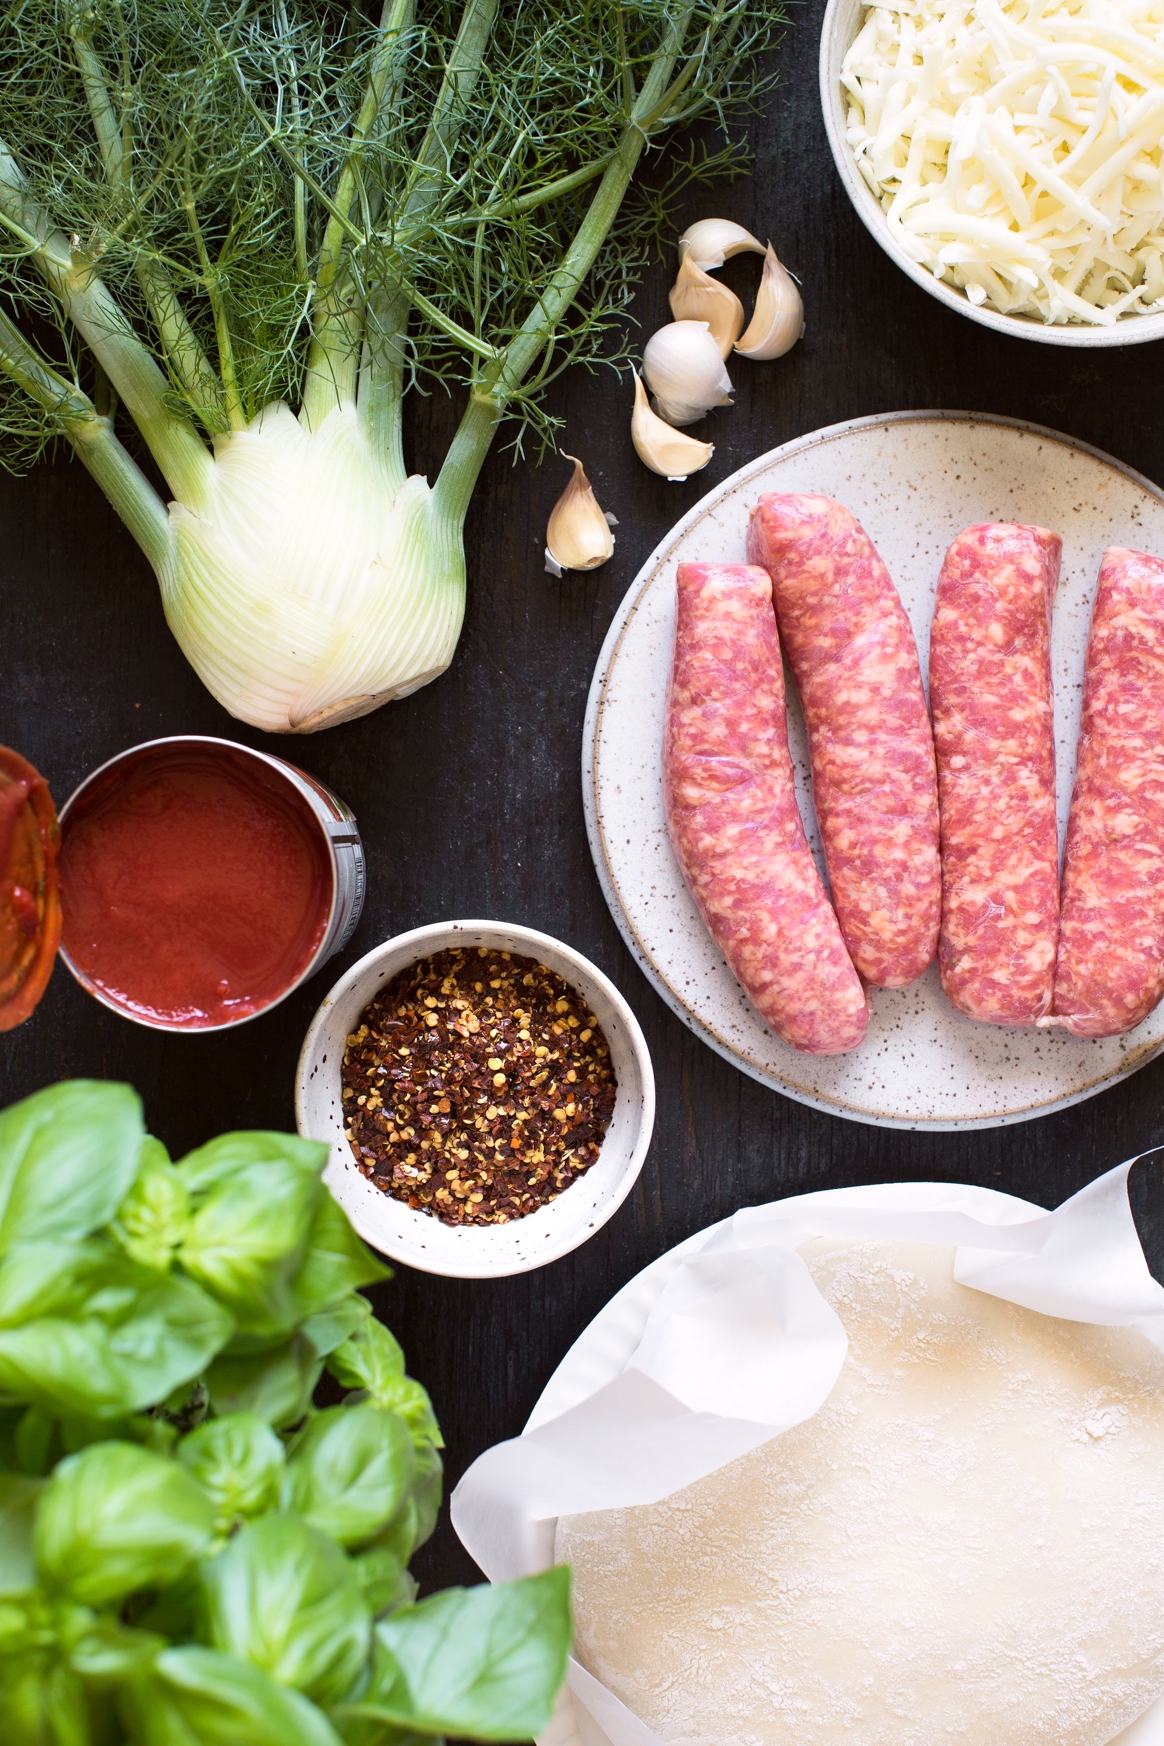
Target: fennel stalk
{"type": "Point", "coordinates": [215, 211]}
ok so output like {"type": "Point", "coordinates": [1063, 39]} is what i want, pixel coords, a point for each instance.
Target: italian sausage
{"type": "Point", "coordinates": [874, 785]}
{"type": "Point", "coordinates": [1110, 972]}
{"type": "Point", "coordinates": [732, 814]}
{"type": "Point", "coordinates": [990, 692]}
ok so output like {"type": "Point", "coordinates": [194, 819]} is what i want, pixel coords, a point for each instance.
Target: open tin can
{"type": "Point", "coordinates": [128, 891]}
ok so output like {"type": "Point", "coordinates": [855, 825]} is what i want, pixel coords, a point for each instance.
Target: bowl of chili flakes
{"type": "Point", "coordinates": [486, 1093]}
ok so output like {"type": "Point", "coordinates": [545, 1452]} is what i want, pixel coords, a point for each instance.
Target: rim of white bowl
{"type": "Point", "coordinates": [490, 1251]}
{"type": "Point", "coordinates": [1130, 331]}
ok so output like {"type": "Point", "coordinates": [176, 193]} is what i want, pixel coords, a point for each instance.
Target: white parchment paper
{"type": "Point", "coordinates": [738, 1345]}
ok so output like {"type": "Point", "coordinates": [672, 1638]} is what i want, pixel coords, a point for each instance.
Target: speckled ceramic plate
{"type": "Point", "coordinates": [913, 479]}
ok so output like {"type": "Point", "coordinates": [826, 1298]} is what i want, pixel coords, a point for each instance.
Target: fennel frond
{"type": "Point", "coordinates": [256, 224]}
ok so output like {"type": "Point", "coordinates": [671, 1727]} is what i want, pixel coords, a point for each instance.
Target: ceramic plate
{"type": "Point", "coordinates": [602, 1350]}
{"type": "Point", "coordinates": [913, 479]}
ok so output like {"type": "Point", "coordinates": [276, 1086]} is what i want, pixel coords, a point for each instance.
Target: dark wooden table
{"type": "Point", "coordinates": [469, 797]}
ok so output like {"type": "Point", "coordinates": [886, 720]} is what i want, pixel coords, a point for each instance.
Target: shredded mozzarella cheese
{"type": "Point", "coordinates": [1016, 148]}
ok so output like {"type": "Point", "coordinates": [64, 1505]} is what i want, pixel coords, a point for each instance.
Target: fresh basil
{"type": "Point", "coordinates": [371, 1362]}
{"type": "Point", "coordinates": [199, 1697]}
{"type": "Point", "coordinates": [255, 1199]}
{"type": "Point", "coordinates": [238, 1462]}
{"type": "Point", "coordinates": [336, 1263]}
{"type": "Point", "coordinates": [276, 1386]}
{"type": "Point", "coordinates": [191, 1552]}
{"type": "Point", "coordinates": [349, 1471]}
{"type": "Point", "coordinates": [154, 1217]}
{"type": "Point", "coordinates": [284, 1597]}
{"type": "Point", "coordinates": [116, 1518]}
{"type": "Point", "coordinates": [68, 1156]}
{"type": "Point", "coordinates": [85, 1330]}
{"type": "Point", "coordinates": [486, 1662]}
{"type": "Point", "coordinates": [18, 1500]}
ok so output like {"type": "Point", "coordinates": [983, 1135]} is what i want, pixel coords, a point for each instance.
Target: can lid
{"type": "Point", "coordinates": [30, 902]}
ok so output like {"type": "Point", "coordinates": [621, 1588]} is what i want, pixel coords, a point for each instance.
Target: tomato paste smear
{"type": "Point", "coordinates": [196, 886]}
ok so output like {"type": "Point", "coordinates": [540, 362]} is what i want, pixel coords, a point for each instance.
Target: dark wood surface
{"type": "Point", "coordinates": [469, 796]}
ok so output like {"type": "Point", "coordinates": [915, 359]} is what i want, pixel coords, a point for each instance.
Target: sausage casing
{"type": "Point", "coordinates": [733, 819]}
{"type": "Point", "coordinates": [874, 785]}
{"type": "Point", "coordinates": [990, 692]}
{"type": "Point", "coordinates": [1110, 972]}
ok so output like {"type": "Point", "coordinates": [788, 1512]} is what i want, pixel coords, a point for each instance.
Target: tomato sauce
{"type": "Point", "coordinates": [196, 885]}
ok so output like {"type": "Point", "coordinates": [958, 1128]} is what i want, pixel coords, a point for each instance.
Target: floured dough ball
{"type": "Point", "coordinates": [965, 1544]}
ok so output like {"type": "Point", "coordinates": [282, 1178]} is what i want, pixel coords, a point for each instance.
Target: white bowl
{"type": "Point", "coordinates": [481, 1251]}
{"type": "Point", "coordinates": [842, 20]}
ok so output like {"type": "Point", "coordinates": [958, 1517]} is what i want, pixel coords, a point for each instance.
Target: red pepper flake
{"type": "Point", "coordinates": [477, 1086]}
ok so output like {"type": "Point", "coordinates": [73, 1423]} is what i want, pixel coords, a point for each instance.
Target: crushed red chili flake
{"type": "Point", "coordinates": [477, 1086]}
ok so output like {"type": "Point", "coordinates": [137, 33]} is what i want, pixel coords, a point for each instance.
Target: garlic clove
{"type": "Point", "coordinates": [778, 318]}
{"type": "Point", "coordinates": [685, 372]}
{"type": "Point", "coordinates": [696, 296]}
{"type": "Point", "coordinates": [664, 450]}
{"type": "Point", "coordinates": [712, 241]}
{"type": "Point", "coordinates": [578, 535]}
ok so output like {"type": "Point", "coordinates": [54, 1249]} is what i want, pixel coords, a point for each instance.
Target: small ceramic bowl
{"type": "Point", "coordinates": [842, 20]}
{"type": "Point", "coordinates": [484, 1251]}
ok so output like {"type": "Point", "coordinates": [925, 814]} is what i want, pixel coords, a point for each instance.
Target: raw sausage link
{"type": "Point", "coordinates": [1111, 938]}
{"type": "Point", "coordinates": [732, 815]}
{"type": "Point", "coordinates": [874, 786]}
{"type": "Point", "coordinates": [990, 691]}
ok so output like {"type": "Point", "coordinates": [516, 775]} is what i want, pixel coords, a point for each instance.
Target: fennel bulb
{"type": "Point", "coordinates": [308, 587]}
{"type": "Point", "coordinates": [252, 227]}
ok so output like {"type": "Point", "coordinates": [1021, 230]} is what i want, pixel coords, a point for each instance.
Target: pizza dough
{"type": "Point", "coordinates": [965, 1544]}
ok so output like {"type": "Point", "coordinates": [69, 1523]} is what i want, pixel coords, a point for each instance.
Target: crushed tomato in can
{"type": "Point", "coordinates": [477, 1086]}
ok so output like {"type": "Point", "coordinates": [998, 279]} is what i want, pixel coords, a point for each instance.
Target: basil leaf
{"type": "Point", "coordinates": [348, 1471]}
{"type": "Point", "coordinates": [425, 1496]}
{"type": "Point", "coordinates": [220, 1160]}
{"type": "Point", "coordinates": [330, 1327]}
{"type": "Point", "coordinates": [336, 1263]}
{"type": "Point", "coordinates": [238, 1461]}
{"type": "Point", "coordinates": [107, 1652]}
{"type": "Point", "coordinates": [44, 1703]}
{"type": "Point", "coordinates": [486, 1662]}
{"type": "Point", "coordinates": [383, 1580]}
{"type": "Point", "coordinates": [86, 1331]}
{"type": "Point", "coordinates": [117, 1518]}
{"type": "Point", "coordinates": [154, 1216]}
{"type": "Point", "coordinates": [197, 1697]}
{"type": "Point", "coordinates": [276, 1386]}
{"type": "Point", "coordinates": [371, 1360]}
{"type": "Point", "coordinates": [282, 1596]}
{"type": "Point", "coordinates": [18, 1500]}
{"type": "Point", "coordinates": [247, 1239]}
{"type": "Point", "coordinates": [68, 1155]}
